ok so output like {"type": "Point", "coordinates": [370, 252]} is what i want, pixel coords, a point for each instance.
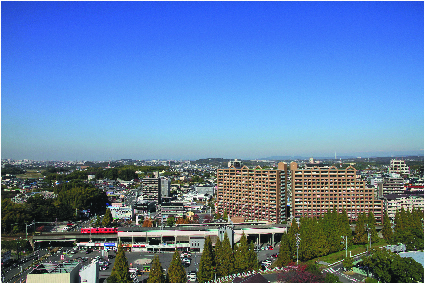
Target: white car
{"type": "Point", "coordinates": [186, 260]}
{"type": "Point", "coordinates": [191, 276]}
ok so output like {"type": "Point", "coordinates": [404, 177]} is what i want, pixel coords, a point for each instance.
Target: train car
{"type": "Point", "coordinates": [99, 230]}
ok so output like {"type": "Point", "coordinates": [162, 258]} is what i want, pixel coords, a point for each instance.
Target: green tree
{"type": "Point", "coordinates": [387, 231]}
{"type": "Point", "coordinates": [347, 263]}
{"type": "Point", "coordinates": [389, 267]}
{"type": "Point", "coordinates": [331, 227]}
{"type": "Point", "coordinates": [400, 226]}
{"type": "Point", "coordinates": [313, 239]}
{"type": "Point", "coordinates": [252, 258]}
{"type": "Point", "coordinates": [218, 258]}
{"type": "Point", "coordinates": [284, 256]}
{"type": "Point", "coordinates": [417, 229]}
{"type": "Point", "coordinates": [242, 255]}
{"type": "Point", "coordinates": [120, 272]}
{"type": "Point", "coordinates": [111, 174]}
{"type": "Point", "coordinates": [227, 258]}
{"type": "Point", "coordinates": [345, 229]}
{"type": "Point", "coordinates": [171, 221]}
{"type": "Point", "coordinates": [176, 272]}
{"type": "Point", "coordinates": [127, 174]}
{"type": "Point", "coordinates": [207, 263]}
{"type": "Point", "coordinates": [225, 216]}
{"type": "Point", "coordinates": [331, 278]}
{"type": "Point", "coordinates": [292, 231]}
{"type": "Point", "coordinates": [107, 219]}
{"type": "Point", "coordinates": [156, 274]}
{"type": "Point", "coordinates": [360, 234]}
{"type": "Point", "coordinates": [97, 223]}
{"type": "Point", "coordinates": [372, 229]}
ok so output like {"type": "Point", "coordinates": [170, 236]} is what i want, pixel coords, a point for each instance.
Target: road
{"type": "Point", "coordinates": [338, 270]}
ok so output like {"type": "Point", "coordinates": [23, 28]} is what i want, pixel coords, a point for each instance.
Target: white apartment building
{"type": "Point", "coordinates": [395, 202]}
{"type": "Point", "coordinates": [399, 166]}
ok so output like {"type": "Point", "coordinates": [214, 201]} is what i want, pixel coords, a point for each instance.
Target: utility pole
{"type": "Point", "coordinates": [26, 229]}
{"type": "Point", "coordinates": [345, 237]}
{"type": "Point", "coordinates": [368, 236]}
{"type": "Point", "coordinates": [298, 239]}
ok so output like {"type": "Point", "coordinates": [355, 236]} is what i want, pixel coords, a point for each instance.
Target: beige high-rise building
{"type": "Point", "coordinates": [261, 194]}
{"type": "Point", "coordinates": [254, 194]}
{"type": "Point", "coordinates": [315, 190]}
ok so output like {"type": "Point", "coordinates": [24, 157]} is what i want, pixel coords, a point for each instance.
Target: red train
{"type": "Point", "coordinates": [99, 230]}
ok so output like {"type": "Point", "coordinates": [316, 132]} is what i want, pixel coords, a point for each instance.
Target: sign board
{"type": "Point", "coordinates": [62, 257]}
{"type": "Point", "coordinates": [109, 244]}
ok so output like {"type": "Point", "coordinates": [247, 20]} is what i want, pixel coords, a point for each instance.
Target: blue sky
{"type": "Point", "coordinates": [188, 80]}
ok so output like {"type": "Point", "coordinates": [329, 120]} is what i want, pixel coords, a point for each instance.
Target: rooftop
{"type": "Point", "coordinates": [54, 268]}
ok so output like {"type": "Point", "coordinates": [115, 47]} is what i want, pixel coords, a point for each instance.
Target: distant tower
{"type": "Point", "coordinates": [335, 155]}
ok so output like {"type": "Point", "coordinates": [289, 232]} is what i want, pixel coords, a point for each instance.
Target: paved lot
{"type": "Point", "coordinates": [135, 260]}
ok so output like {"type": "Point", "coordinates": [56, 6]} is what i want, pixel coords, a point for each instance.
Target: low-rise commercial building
{"type": "Point", "coordinates": [55, 273]}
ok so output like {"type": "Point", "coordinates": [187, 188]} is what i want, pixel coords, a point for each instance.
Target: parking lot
{"type": "Point", "coordinates": [137, 261]}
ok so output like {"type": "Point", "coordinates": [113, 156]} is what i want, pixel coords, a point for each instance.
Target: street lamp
{"type": "Point", "coordinates": [298, 239]}
{"type": "Point", "coordinates": [345, 244]}
{"type": "Point", "coordinates": [26, 229]}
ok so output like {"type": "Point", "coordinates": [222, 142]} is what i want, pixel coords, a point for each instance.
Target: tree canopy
{"type": "Point", "coordinates": [107, 218]}
{"type": "Point", "coordinates": [409, 229]}
{"type": "Point", "coordinates": [120, 272]}
{"type": "Point", "coordinates": [156, 274]}
{"type": "Point", "coordinates": [389, 267]}
{"type": "Point", "coordinates": [176, 272]}
{"type": "Point", "coordinates": [207, 263]}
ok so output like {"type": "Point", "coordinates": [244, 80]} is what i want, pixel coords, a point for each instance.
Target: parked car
{"type": "Point", "coordinates": [186, 260]}
{"type": "Point", "coordinates": [191, 275]}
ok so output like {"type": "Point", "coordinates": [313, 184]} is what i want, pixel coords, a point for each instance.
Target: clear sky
{"type": "Point", "coordinates": [188, 80]}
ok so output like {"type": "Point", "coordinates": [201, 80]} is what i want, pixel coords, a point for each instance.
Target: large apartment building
{"type": "Point", "coordinates": [262, 194]}
{"type": "Point", "coordinates": [315, 190]}
{"type": "Point", "coordinates": [399, 166]}
{"type": "Point", "coordinates": [254, 194]}
{"type": "Point", "coordinates": [391, 186]}
{"type": "Point", "coordinates": [151, 189]}
{"type": "Point", "coordinates": [395, 202]}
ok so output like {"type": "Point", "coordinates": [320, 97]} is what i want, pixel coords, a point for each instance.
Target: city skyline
{"type": "Point", "coordinates": [190, 80]}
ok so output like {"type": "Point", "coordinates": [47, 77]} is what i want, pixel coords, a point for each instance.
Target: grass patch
{"type": "Point", "coordinates": [30, 174]}
{"type": "Point", "coordinates": [356, 249]}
